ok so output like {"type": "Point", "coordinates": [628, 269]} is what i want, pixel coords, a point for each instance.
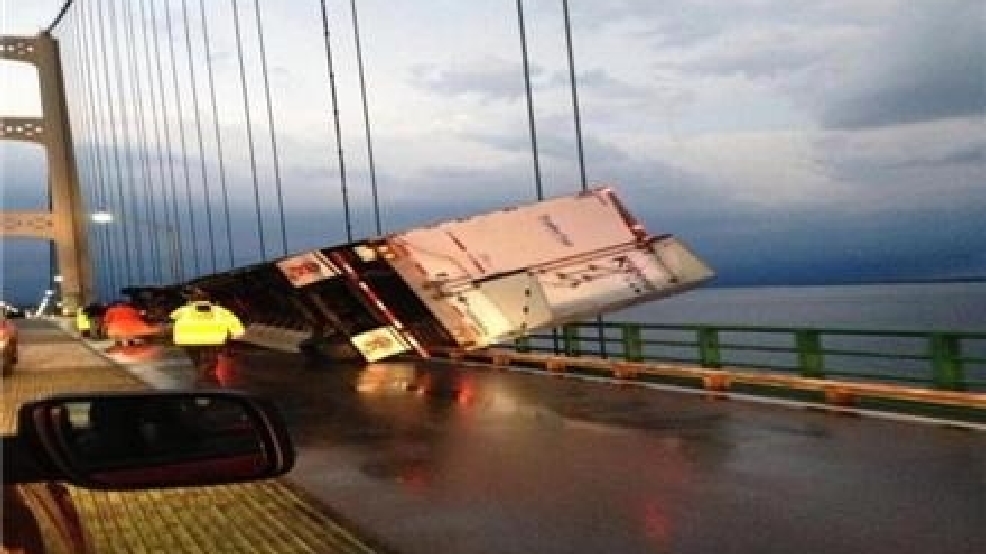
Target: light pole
{"type": "Point", "coordinates": [103, 217]}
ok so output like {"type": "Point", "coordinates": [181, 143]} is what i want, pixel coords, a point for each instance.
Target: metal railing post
{"type": "Point", "coordinates": [570, 339]}
{"type": "Point", "coordinates": [708, 347]}
{"type": "Point", "coordinates": [522, 344]}
{"type": "Point", "coordinates": [633, 350]}
{"type": "Point", "coordinates": [946, 359]}
{"type": "Point", "coordinates": [810, 357]}
{"type": "Point", "coordinates": [601, 335]}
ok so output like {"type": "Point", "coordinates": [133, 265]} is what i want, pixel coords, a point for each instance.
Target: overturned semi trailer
{"type": "Point", "coordinates": [465, 283]}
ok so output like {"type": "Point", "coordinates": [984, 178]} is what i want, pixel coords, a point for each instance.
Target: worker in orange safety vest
{"type": "Point", "coordinates": [126, 325]}
{"type": "Point", "coordinates": [202, 328]}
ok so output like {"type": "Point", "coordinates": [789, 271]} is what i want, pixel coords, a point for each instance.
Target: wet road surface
{"type": "Point", "coordinates": [431, 458]}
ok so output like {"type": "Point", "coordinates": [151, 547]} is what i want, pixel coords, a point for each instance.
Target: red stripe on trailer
{"type": "Point", "coordinates": [381, 307]}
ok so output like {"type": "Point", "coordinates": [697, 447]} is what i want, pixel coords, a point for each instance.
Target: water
{"type": "Point", "coordinates": [877, 307]}
{"type": "Point", "coordinates": [913, 306]}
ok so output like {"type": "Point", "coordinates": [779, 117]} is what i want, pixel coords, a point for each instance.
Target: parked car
{"type": "Point", "coordinates": [128, 441]}
{"type": "Point", "coordinates": [8, 342]}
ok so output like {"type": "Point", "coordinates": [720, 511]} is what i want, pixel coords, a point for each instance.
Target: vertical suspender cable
{"type": "Point", "coordinates": [335, 118]}
{"type": "Point", "coordinates": [184, 150]}
{"type": "Point", "coordinates": [137, 91]}
{"type": "Point", "coordinates": [249, 129]}
{"type": "Point", "coordinates": [138, 257]}
{"type": "Point", "coordinates": [366, 122]}
{"type": "Point", "coordinates": [125, 274]}
{"type": "Point", "coordinates": [92, 89]}
{"type": "Point", "coordinates": [219, 139]}
{"type": "Point", "coordinates": [198, 134]}
{"type": "Point", "coordinates": [578, 142]}
{"type": "Point", "coordinates": [154, 89]}
{"type": "Point", "coordinates": [538, 188]}
{"type": "Point", "coordinates": [273, 135]}
{"type": "Point", "coordinates": [99, 142]}
{"type": "Point", "coordinates": [171, 216]}
{"type": "Point", "coordinates": [575, 96]}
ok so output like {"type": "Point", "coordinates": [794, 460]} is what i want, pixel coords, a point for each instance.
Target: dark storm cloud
{"type": "Point", "coordinates": [929, 65]}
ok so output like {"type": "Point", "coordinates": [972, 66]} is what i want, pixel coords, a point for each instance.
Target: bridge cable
{"type": "Point", "coordinates": [366, 122]}
{"type": "Point", "coordinates": [249, 129]}
{"type": "Point", "coordinates": [273, 135]}
{"type": "Point", "coordinates": [72, 67]}
{"type": "Point", "coordinates": [113, 18]}
{"type": "Point", "coordinates": [116, 147]}
{"type": "Point", "coordinates": [101, 161]}
{"type": "Point", "coordinates": [84, 159]}
{"type": "Point", "coordinates": [137, 91]}
{"type": "Point", "coordinates": [538, 187]}
{"type": "Point", "coordinates": [575, 95]}
{"type": "Point", "coordinates": [153, 93]}
{"type": "Point", "coordinates": [218, 134]}
{"type": "Point", "coordinates": [206, 190]}
{"type": "Point", "coordinates": [96, 158]}
{"type": "Point", "coordinates": [58, 18]}
{"type": "Point", "coordinates": [338, 127]}
{"type": "Point", "coordinates": [172, 221]}
{"type": "Point", "coordinates": [600, 328]}
{"type": "Point", "coordinates": [184, 150]}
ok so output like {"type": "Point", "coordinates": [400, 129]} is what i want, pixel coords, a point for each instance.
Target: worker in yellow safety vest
{"type": "Point", "coordinates": [82, 323]}
{"type": "Point", "coordinates": [202, 328]}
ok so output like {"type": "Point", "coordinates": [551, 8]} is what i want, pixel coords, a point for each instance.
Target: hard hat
{"type": "Point", "coordinates": [196, 294]}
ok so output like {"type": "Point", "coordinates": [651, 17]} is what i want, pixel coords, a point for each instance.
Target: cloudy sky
{"type": "Point", "coordinates": [786, 142]}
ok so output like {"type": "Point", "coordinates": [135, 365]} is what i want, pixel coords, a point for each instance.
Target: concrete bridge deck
{"type": "Point", "coordinates": [269, 516]}
{"type": "Point", "coordinates": [426, 458]}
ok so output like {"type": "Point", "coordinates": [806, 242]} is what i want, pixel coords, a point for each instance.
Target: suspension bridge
{"type": "Point", "coordinates": [167, 121]}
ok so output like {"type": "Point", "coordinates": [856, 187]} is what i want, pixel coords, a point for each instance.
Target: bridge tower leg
{"type": "Point", "coordinates": [66, 222]}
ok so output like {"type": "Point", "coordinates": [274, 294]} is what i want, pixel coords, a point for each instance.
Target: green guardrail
{"type": "Point", "coordinates": [943, 360]}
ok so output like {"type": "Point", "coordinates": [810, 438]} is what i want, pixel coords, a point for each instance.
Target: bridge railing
{"type": "Point", "coordinates": [943, 360]}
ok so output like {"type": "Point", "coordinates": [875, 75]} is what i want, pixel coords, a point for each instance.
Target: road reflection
{"type": "Point", "coordinates": [434, 457]}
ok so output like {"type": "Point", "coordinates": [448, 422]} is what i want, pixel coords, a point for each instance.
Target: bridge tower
{"type": "Point", "coordinates": [65, 223]}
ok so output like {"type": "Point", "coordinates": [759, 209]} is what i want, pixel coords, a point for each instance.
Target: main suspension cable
{"type": "Point", "coordinates": [58, 18]}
